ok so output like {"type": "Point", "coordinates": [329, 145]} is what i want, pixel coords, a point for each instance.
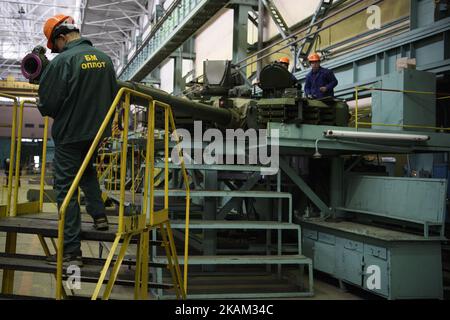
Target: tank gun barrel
{"type": "Point", "coordinates": [181, 106]}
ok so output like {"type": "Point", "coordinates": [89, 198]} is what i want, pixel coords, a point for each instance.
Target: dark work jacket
{"type": "Point", "coordinates": [76, 90]}
{"type": "Point", "coordinates": [322, 78]}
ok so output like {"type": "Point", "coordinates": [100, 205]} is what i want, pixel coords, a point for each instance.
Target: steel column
{"type": "Point", "coordinates": [325, 211]}
{"type": "Point", "coordinates": [240, 32]}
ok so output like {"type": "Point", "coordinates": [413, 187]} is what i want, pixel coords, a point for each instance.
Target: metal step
{"type": "Point", "coordinates": [90, 272]}
{"type": "Point", "coordinates": [234, 224]}
{"type": "Point", "coordinates": [241, 259]}
{"type": "Point", "coordinates": [213, 167]}
{"type": "Point", "coordinates": [211, 193]}
{"type": "Point", "coordinates": [49, 228]}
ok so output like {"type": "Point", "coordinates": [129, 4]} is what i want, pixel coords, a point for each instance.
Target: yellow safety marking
{"type": "Point", "coordinates": [28, 208]}
{"type": "Point", "coordinates": [3, 211]}
{"type": "Point", "coordinates": [93, 65]}
{"type": "Point", "coordinates": [159, 217]}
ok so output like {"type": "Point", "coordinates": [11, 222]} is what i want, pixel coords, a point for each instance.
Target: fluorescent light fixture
{"type": "Point", "coordinates": [375, 135]}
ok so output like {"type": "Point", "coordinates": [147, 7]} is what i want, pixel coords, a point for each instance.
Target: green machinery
{"type": "Point", "coordinates": [375, 231]}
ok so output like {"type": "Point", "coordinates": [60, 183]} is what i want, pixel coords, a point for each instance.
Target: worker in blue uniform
{"type": "Point", "coordinates": [320, 82]}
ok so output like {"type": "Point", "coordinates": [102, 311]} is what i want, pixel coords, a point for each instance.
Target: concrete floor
{"type": "Point", "coordinates": [43, 285]}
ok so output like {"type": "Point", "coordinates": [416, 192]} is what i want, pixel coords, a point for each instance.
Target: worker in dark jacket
{"type": "Point", "coordinates": [320, 82]}
{"type": "Point", "coordinates": [76, 90]}
{"type": "Point", "coordinates": [284, 61]}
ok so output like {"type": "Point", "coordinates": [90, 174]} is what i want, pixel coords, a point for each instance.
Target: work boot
{"type": "Point", "coordinates": [69, 259]}
{"type": "Point", "coordinates": [101, 223]}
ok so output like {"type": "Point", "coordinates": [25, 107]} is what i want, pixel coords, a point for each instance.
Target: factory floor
{"type": "Point", "coordinates": [43, 285]}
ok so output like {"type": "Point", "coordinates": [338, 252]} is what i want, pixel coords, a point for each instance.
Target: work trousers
{"type": "Point", "coordinates": [67, 162]}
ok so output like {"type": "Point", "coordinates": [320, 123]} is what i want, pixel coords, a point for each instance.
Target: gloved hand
{"type": "Point", "coordinates": [39, 53]}
{"type": "Point", "coordinates": [39, 50]}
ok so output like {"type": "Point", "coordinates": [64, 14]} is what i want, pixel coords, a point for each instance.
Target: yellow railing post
{"type": "Point", "coordinates": [166, 158]}
{"type": "Point", "coordinates": [12, 152]}
{"type": "Point", "coordinates": [186, 183]}
{"type": "Point", "coordinates": [149, 147]}
{"type": "Point", "coordinates": [151, 162]}
{"type": "Point", "coordinates": [10, 245]}
{"type": "Point", "coordinates": [123, 161]}
{"type": "Point", "coordinates": [17, 160]}
{"type": "Point", "coordinates": [43, 165]}
{"type": "Point", "coordinates": [133, 193]}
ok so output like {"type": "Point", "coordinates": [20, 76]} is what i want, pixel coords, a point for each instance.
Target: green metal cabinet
{"type": "Point", "coordinates": [349, 260]}
{"type": "Point", "coordinates": [324, 253]}
{"type": "Point", "coordinates": [408, 268]}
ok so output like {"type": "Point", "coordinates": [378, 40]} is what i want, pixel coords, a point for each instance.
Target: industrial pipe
{"type": "Point", "coordinates": [375, 135]}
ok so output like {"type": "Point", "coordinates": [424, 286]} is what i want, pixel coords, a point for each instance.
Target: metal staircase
{"type": "Point", "coordinates": [45, 226]}
{"type": "Point", "coordinates": [212, 264]}
{"type": "Point", "coordinates": [261, 255]}
{"type": "Point", "coordinates": [127, 228]}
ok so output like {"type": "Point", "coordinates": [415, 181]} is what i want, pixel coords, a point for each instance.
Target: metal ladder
{"type": "Point", "coordinates": [305, 46]}
{"type": "Point", "coordinates": [277, 18]}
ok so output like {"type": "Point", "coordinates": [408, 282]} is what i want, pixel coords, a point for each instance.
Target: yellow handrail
{"type": "Point", "coordinates": [149, 155]}
{"type": "Point", "coordinates": [123, 162]}
{"type": "Point", "coordinates": [11, 237]}
{"type": "Point", "coordinates": [18, 154]}
{"type": "Point", "coordinates": [186, 183]}
{"type": "Point", "coordinates": [11, 150]}
{"type": "Point", "coordinates": [44, 163]}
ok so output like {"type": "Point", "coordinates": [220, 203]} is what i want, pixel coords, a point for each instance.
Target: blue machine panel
{"type": "Point", "coordinates": [409, 199]}
{"type": "Point", "coordinates": [396, 108]}
{"type": "Point", "coordinates": [324, 253]}
{"type": "Point", "coordinates": [349, 260]}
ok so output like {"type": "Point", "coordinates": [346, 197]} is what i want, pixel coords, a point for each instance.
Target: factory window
{"type": "Point", "coordinates": [41, 126]}
{"type": "Point", "coordinates": [29, 125]}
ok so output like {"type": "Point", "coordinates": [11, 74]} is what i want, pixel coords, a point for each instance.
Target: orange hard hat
{"type": "Point", "coordinates": [313, 57]}
{"type": "Point", "coordinates": [284, 60]}
{"type": "Point", "coordinates": [53, 22]}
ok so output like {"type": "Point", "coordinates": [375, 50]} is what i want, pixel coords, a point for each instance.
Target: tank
{"type": "Point", "coordinates": [226, 102]}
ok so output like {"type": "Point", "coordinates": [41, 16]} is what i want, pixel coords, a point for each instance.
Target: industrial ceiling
{"type": "Point", "coordinates": [110, 25]}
